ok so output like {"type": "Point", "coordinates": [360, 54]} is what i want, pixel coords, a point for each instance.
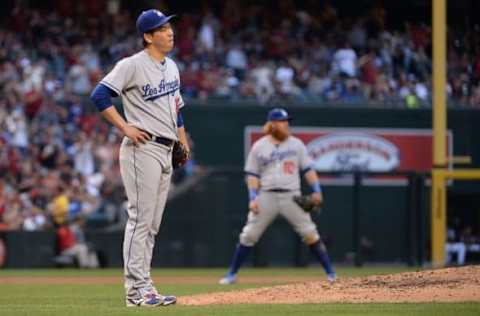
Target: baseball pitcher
{"type": "Point", "coordinates": [273, 169]}
{"type": "Point", "coordinates": [148, 83]}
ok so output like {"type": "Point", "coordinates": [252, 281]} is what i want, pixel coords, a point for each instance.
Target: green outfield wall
{"type": "Point", "coordinates": [379, 223]}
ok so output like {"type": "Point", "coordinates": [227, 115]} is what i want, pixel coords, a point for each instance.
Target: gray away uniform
{"type": "Point", "coordinates": [278, 167]}
{"type": "Point", "coordinates": [150, 93]}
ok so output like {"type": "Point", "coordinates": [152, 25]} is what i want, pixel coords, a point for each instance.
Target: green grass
{"type": "Point", "coordinates": [214, 272]}
{"type": "Point", "coordinates": [107, 299]}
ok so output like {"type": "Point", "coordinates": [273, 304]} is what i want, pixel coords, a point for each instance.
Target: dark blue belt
{"type": "Point", "coordinates": [161, 140]}
{"type": "Point", "coordinates": [278, 190]}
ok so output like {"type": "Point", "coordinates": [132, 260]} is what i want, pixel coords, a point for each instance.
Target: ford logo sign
{"type": "Point", "coordinates": [353, 152]}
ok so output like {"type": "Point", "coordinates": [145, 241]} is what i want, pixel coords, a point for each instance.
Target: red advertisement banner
{"type": "Point", "coordinates": [365, 149]}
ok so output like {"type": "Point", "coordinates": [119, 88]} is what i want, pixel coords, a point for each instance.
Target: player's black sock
{"type": "Point", "coordinates": [320, 251]}
{"type": "Point", "coordinates": [241, 253]}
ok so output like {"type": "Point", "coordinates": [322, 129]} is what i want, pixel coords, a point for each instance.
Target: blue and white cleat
{"type": "Point", "coordinates": [152, 299]}
{"type": "Point", "coordinates": [228, 279]}
{"type": "Point", "coordinates": [168, 300]}
{"type": "Point", "coordinates": [164, 300]}
{"type": "Point", "coordinates": [331, 278]}
{"type": "Point", "coordinates": [148, 300]}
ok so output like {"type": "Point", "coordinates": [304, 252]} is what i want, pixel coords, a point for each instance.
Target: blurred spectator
{"type": "Point", "coordinates": [12, 215]}
{"type": "Point", "coordinates": [18, 129]}
{"type": "Point", "coordinates": [60, 206]}
{"type": "Point", "coordinates": [83, 155]}
{"type": "Point", "coordinates": [262, 77]}
{"type": "Point", "coordinates": [70, 246]}
{"type": "Point", "coordinates": [454, 245]}
{"type": "Point", "coordinates": [34, 219]}
{"type": "Point", "coordinates": [471, 239]}
{"type": "Point", "coordinates": [78, 81]}
{"type": "Point", "coordinates": [345, 61]}
{"type": "Point", "coordinates": [284, 78]}
{"type": "Point", "coordinates": [207, 33]}
{"type": "Point", "coordinates": [461, 240]}
{"type": "Point", "coordinates": [237, 60]}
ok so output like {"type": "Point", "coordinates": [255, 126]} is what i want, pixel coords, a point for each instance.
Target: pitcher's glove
{"type": "Point", "coordinates": [180, 155]}
{"type": "Point", "coordinates": [306, 203]}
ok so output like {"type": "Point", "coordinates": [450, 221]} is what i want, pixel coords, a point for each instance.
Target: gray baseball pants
{"type": "Point", "coordinates": [146, 170]}
{"type": "Point", "coordinates": [272, 204]}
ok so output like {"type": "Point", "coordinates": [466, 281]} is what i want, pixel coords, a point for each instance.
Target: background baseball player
{"type": "Point", "coordinates": [149, 85]}
{"type": "Point", "coordinates": [273, 170]}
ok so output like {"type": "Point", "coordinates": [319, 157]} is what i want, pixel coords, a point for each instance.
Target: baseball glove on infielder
{"type": "Point", "coordinates": [180, 155]}
{"type": "Point", "coordinates": [306, 203]}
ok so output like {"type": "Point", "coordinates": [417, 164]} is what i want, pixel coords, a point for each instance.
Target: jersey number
{"type": "Point", "coordinates": [288, 167]}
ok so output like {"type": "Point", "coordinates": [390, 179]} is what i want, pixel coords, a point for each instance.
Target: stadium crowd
{"type": "Point", "coordinates": [240, 51]}
{"type": "Point", "coordinates": [58, 159]}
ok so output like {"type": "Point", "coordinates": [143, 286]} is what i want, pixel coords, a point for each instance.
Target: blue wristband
{"type": "Point", "coordinates": [316, 187]}
{"type": "Point", "coordinates": [252, 194]}
{"type": "Point", "coordinates": [179, 119]}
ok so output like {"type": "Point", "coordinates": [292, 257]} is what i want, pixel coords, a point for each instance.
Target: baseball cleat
{"type": "Point", "coordinates": [164, 300]}
{"type": "Point", "coordinates": [228, 279]}
{"type": "Point", "coordinates": [148, 300]}
{"type": "Point", "coordinates": [168, 300]}
{"type": "Point", "coordinates": [151, 300]}
{"type": "Point", "coordinates": [332, 277]}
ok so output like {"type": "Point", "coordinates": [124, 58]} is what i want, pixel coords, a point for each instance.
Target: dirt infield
{"type": "Point", "coordinates": [443, 285]}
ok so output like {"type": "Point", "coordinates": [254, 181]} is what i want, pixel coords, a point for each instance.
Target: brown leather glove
{"type": "Point", "coordinates": [180, 155]}
{"type": "Point", "coordinates": [307, 204]}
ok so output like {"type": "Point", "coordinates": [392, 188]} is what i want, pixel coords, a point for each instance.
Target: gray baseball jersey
{"type": "Point", "coordinates": [150, 93]}
{"type": "Point", "coordinates": [278, 166]}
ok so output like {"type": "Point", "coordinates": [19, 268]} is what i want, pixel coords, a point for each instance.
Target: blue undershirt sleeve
{"type": "Point", "coordinates": [101, 96]}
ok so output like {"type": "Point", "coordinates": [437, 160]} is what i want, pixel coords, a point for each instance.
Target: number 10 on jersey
{"type": "Point", "coordinates": [288, 167]}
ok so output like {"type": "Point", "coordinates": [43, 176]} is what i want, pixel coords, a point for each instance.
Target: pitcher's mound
{"type": "Point", "coordinates": [442, 285]}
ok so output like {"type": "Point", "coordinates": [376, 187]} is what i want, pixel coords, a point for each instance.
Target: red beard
{"type": "Point", "coordinates": [279, 135]}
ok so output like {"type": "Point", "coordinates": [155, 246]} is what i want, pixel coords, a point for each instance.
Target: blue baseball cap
{"type": "Point", "coordinates": [278, 114]}
{"type": "Point", "coordinates": [151, 19]}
